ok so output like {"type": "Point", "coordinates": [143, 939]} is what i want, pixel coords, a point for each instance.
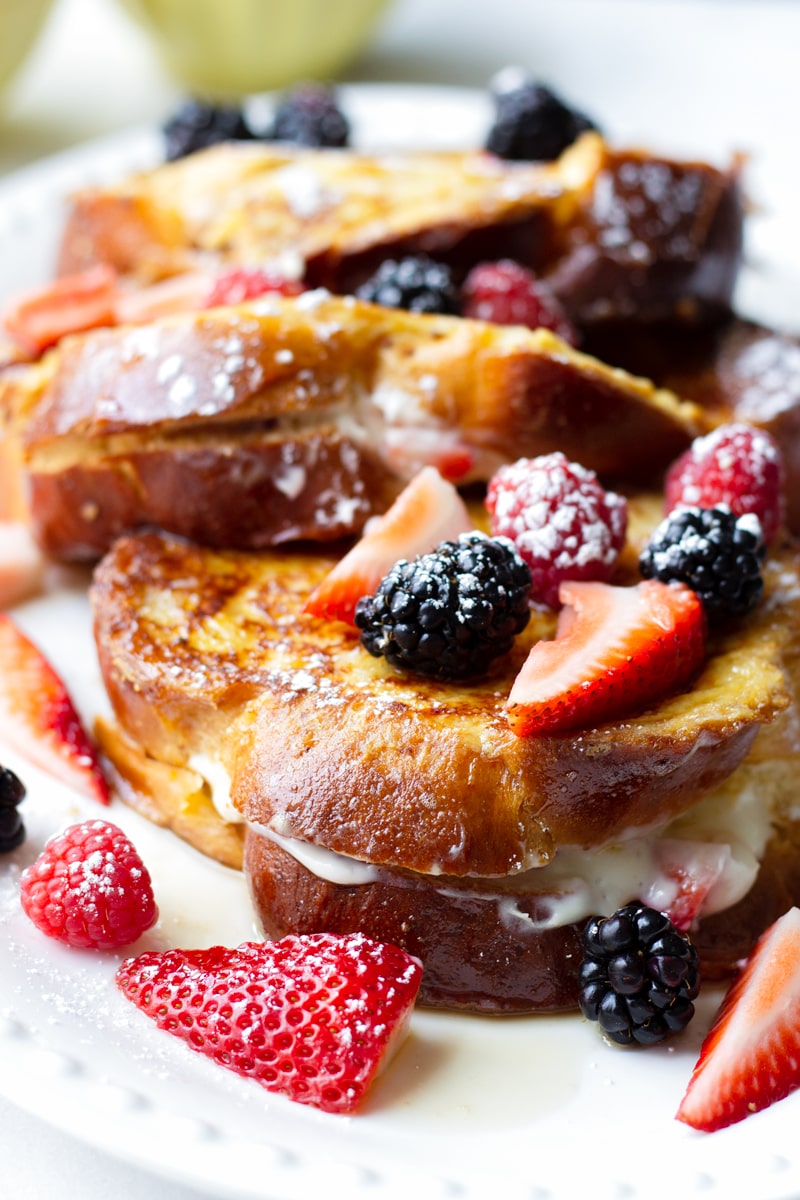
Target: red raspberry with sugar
{"type": "Point", "coordinates": [507, 293]}
{"type": "Point", "coordinates": [237, 285]}
{"type": "Point", "coordinates": [737, 465]}
{"type": "Point", "coordinates": [560, 518]}
{"type": "Point", "coordinates": [89, 888]}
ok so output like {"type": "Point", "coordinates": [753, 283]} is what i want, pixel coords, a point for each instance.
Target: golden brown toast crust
{"type": "Point", "coordinates": [299, 418]}
{"type": "Point", "coordinates": [620, 234]}
{"type": "Point", "coordinates": [330, 209]}
{"type": "Point", "coordinates": [209, 652]}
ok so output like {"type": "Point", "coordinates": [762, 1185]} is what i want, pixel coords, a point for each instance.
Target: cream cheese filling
{"type": "Point", "coordinates": [715, 848]}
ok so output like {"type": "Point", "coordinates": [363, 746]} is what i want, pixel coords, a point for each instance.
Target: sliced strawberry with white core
{"type": "Point", "coordinates": [428, 511]}
{"type": "Point", "coordinates": [38, 718]}
{"type": "Point", "coordinates": [616, 650]}
{"type": "Point", "coordinates": [751, 1056]}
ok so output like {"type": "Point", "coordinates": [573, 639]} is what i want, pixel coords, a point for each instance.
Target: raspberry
{"type": "Point", "coordinates": [561, 520]}
{"type": "Point", "coordinates": [89, 888]}
{"type": "Point", "coordinates": [240, 284]}
{"type": "Point", "coordinates": [508, 294]}
{"type": "Point", "coordinates": [313, 1017]}
{"type": "Point", "coordinates": [736, 465]}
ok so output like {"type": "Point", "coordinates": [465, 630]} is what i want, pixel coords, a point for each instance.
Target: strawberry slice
{"type": "Point", "coordinates": [38, 718]}
{"type": "Point", "coordinates": [428, 511]}
{"type": "Point", "coordinates": [689, 871]}
{"type": "Point", "coordinates": [616, 650]}
{"type": "Point", "coordinates": [40, 318]}
{"type": "Point", "coordinates": [751, 1056]}
{"type": "Point", "coordinates": [313, 1016]}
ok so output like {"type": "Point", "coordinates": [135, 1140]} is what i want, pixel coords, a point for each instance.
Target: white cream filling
{"type": "Point", "coordinates": [722, 838]}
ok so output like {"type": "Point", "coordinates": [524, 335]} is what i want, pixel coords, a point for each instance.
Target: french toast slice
{"type": "Point", "coordinates": [294, 418]}
{"type": "Point", "coordinates": [374, 800]}
{"type": "Point", "coordinates": [209, 653]}
{"type": "Point", "coordinates": [333, 211]}
{"type": "Point", "coordinates": [620, 233]}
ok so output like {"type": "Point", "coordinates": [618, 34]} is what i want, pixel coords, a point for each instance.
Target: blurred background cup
{"type": "Point", "coordinates": [20, 22]}
{"type": "Point", "coordinates": [229, 48]}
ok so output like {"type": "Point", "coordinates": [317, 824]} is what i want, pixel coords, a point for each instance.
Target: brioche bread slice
{"type": "Point", "coordinates": [292, 418]}
{"type": "Point", "coordinates": [620, 234]}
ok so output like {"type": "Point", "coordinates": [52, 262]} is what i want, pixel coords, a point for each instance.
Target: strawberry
{"type": "Point", "coordinates": [40, 318]}
{"type": "Point", "coordinates": [239, 284]}
{"type": "Point", "coordinates": [428, 511]}
{"type": "Point", "coordinates": [38, 718]}
{"type": "Point", "coordinates": [313, 1017]}
{"type": "Point", "coordinates": [736, 465]}
{"type": "Point", "coordinates": [751, 1056]}
{"type": "Point", "coordinates": [89, 888]}
{"type": "Point", "coordinates": [688, 873]}
{"type": "Point", "coordinates": [616, 650]}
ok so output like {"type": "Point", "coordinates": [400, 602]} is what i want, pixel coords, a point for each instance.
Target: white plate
{"type": "Point", "coordinates": [535, 1109]}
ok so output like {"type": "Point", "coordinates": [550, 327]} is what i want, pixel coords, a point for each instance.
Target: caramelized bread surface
{"type": "Point", "coordinates": [330, 209]}
{"type": "Point", "coordinates": [625, 234]}
{"type": "Point", "coordinates": [299, 418]}
{"type": "Point", "coordinates": [209, 653]}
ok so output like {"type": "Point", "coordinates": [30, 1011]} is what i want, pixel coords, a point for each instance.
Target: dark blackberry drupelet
{"type": "Point", "coordinates": [198, 124]}
{"type": "Point", "coordinates": [12, 793]}
{"type": "Point", "coordinates": [639, 976]}
{"type": "Point", "coordinates": [449, 613]}
{"type": "Point", "coordinates": [531, 123]}
{"type": "Point", "coordinates": [418, 284]}
{"type": "Point", "coordinates": [714, 552]}
{"type": "Point", "coordinates": [310, 115]}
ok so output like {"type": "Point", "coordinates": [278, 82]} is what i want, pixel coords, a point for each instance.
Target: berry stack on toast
{"type": "Point", "coordinates": [441, 516]}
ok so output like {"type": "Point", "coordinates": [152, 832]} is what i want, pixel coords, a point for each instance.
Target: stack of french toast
{"type": "Point", "coordinates": [215, 453]}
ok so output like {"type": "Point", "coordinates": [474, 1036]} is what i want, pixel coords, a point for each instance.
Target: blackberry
{"type": "Point", "coordinates": [449, 613]}
{"type": "Point", "coordinates": [531, 122]}
{"type": "Point", "coordinates": [310, 115]}
{"type": "Point", "coordinates": [639, 976]}
{"type": "Point", "coordinates": [12, 792]}
{"type": "Point", "coordinates": [417, 283]}
{"type": "Point", "coordinates": [198, 124]}
{"type": "Point", "coordinates": [718, 554]}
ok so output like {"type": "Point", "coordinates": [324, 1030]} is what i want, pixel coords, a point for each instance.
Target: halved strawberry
{"type": "Point", "coordinates": [428, 511]}
{"type": "Point", "coordinates": [40, 318]}
{"type": "Point", "coordinates": [38, 718]}
{"type": "Point", "coordinates": [751, 1056]}
{"type": "Point", "coordinates": [314, 1016]}
{"type": "Point", "coordinates": [616, 650]}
